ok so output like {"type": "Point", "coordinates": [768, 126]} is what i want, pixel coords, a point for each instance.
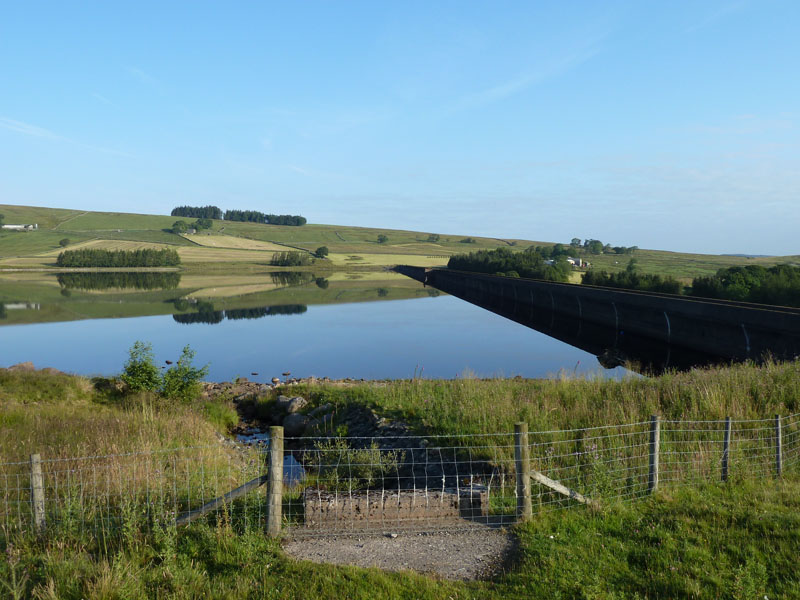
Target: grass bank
{"type": "Point", "coordinates": [734, 540]}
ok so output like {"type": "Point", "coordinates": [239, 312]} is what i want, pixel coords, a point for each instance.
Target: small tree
{"type": "Point", "coordinates": [2, 216]}
{"type": "Point", "coordinates": [433, 237]}
{"type": "Point", "coordinates": [180, 227]}
{"type": "Point", "coordinates": [382, 239]}
{"type": "Point", "coordinates": [321, 252]}
{"type": "Point", "coordinates": [141, 372]}
{"type": "Point", "coordinates": [182, 381]}
{"type": "Point", "coordinates": [63, 243]}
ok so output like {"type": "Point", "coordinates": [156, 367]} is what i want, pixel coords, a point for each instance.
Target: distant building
{"type": "Point", "coordinates": [22, 227]}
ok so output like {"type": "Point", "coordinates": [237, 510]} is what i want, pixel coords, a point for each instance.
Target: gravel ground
{"type": "Point", "coordinates": [471, 554]}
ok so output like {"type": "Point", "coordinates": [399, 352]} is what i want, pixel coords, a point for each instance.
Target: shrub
{"type": "Point", "coordinates": [63, 242]}
{"type": "Point", "coordinates": [321, 252]}
{"type": "Point", "coordinates": [344, 468]}
{"type": "Point", "coordinates": [182, 381]}
{"type": "Point", "coordinates": [141, 372]}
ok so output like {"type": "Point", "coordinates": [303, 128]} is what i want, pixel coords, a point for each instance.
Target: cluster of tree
{"type": "Point", "coordinates": [631, 279]}
{"type": "Point", "coordinates": [97, 257]}
{"type": "Point", "coordinates": [197, 212]}
{"type": "Point", "coordinates": [253, 216]}
{"type": "Point", "coordinates": [382, 239]}
{"type": "Point", "coordinates": [779, 285]}
{"type": "Point", "coordinates": [502, 261]}
{"type": "Point", "coordinates": [2, 216]}
{"type": "Point", "coordinates": [590, 246]}
{"type": "Point", "coordinates": [321, 252]}
{"type": "Point", "coordinates": [468, 240]}
{"type": "Point", "coordinates": [120, 280]}
{"type": "Point", "coordinates": [212, 317]}
{"type": "Point", "coordinates": [183, 226]}
{"type": "Point", "coordinates": [433, 237]}
{"type": "Point", "coordinates": [291, 258]}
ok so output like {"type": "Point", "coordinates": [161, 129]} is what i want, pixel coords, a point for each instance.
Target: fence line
{"type": "Point", "coordinates": [325, 485]}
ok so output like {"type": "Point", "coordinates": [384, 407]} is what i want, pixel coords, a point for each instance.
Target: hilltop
{"type": "Point", "coordinates": [248, 246]}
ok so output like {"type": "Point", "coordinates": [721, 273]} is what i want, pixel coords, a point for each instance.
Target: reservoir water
{"type": "Point", "coordinates": [370, 326]}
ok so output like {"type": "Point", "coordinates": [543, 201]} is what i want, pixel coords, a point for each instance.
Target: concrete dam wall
{"type": "Point", "coordinates": [619, 318]}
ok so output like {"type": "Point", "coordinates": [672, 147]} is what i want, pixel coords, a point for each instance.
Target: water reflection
{"type": "Point", "coordinates": [119, 280]}
{"type": "Point", "coordinates": [612, 347]}
{"type": "Point", "coordinates": [209, 316]}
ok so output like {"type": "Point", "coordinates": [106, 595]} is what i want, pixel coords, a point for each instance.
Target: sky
{"type": "Point", "coordinates": [666, 125]}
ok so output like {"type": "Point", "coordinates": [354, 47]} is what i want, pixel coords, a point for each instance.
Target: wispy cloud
{"type": "Point", "coordinates": [139, 74]}
{"type": "Point", "coordinates": [722, 12]}
{"type": "Point", "coordinates": [103, 99]}
{"type": "Point", "coordinates": [531, 77]}
{"type": "Point", "coordinates": [45, 134]}
{"type": "Point", "coordinates": [28, 129]}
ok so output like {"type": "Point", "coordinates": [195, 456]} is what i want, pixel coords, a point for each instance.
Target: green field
{"type": "Point", "coordinates": [349, 246]}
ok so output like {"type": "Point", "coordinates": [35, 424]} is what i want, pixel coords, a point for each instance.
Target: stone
{"type": "Point", "coordinates": [325, 408]}
{"type": "Point", "coordinates": [296, 404]}
{"type": "Point", "coordinates": [23, 366]}
{"type": "Point", "coordinates": [294, 425]}
{"type": "Point", "coordinates": [282, 403]}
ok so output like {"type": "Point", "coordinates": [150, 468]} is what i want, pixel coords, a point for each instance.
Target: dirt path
{"type": "Point", "coordinates": [462, 555]}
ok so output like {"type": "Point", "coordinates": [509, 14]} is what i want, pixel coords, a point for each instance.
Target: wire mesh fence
{"type": "Point", "coordinates": [334, 485]}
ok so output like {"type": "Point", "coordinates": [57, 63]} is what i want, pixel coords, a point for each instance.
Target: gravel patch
{"type": "Point", "coordinates": [460, 555]}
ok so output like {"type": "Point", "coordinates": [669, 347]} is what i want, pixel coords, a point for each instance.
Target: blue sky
{"type": "Point", "coordinates": [669, 125]}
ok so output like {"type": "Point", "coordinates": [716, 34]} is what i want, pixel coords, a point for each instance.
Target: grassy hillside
{"type": "Point", "coordinates": [695, 540]}
{"type": "Point", "coordinates": [247, 245]}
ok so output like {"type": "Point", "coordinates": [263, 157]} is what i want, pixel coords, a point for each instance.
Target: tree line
{"type": "Point", "coordinates": [249, 216]}
{"type": "Point", "coordinates": [631, 279]}
{"type": "Point", "coordinates": [97, 257]}
{"type": "Point", "coordinates": [530, 263]}
{"type": "Point", "coordinates": [253, 216]}
{"type": "Point", "coordinates": [197, 212]}
{"type": "Point", "coordinates": [121, 280]}
{"type": "Point", "coordinates": [291, 258]}
{"type": "Point", "coordinates": [778, 285]}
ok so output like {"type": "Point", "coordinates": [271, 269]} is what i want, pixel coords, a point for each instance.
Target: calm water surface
{"type": "Point", "coordinates": [437, 337]}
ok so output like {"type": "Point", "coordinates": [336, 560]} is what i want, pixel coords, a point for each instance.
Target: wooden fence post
{"type": "Point", "coordinates": [275, 481]}
{"type": "Point", "coordinates": [522, 459]}
{"type": "Point", "coordinates": [655, 440]}
{"type": "Point", "coordinates": [37, 492]}
{"type": "Point", "coordinates": [726, 449]}
{"type": "Point", "coordinates": [778, 447]}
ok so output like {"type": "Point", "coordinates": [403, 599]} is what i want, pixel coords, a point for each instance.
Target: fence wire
{"type": "Point", "coordinates": [335, 485]}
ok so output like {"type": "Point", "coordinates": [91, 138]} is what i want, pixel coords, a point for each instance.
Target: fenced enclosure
{"type": "Point", "coordinates": [332, 485]}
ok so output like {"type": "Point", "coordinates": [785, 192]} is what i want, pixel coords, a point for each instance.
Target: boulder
{"type": "Point", "coordinates": [296, 404]}
{"type": "Point", "coordinates": [325, 408]}
{"type": "Point", "coordinates": [24, 366]}
{"type": "Point", "coordinates": [294, 425]}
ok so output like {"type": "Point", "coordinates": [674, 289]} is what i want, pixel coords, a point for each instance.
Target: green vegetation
{"type": "Point", "coordinates": [631, 279]}
{"type": "Point", "coordinates": [712, 540]}
{"type": "Point", "coordinates": [779, 285]}
{"type": "Point", "coordinates": [182, 381]}
{"type": "Point", "coordinates": [529, 263]}
{"type": "Point", "coordinates": [197, 212]}
{"type": "Point", "coordinates": [179, 227]}
{"type": "Point", "coordinates": [96, 257]}
{"type": "Point", "coordinates": [321, 252]}
{"type": "Point", "coordinates": [64, 242]}
{"type": "Point", "coordinates": [291, 258]}
{"type": "Point", "coordinates": [253, 216]}
{"type": "Point", "coordinates": [141, 373]}
{"type": "Point", "coordinates": [382, 239]}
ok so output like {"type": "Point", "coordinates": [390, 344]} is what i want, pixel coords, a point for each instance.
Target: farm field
{"type": "Point", "coordinates": [249, 246]}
